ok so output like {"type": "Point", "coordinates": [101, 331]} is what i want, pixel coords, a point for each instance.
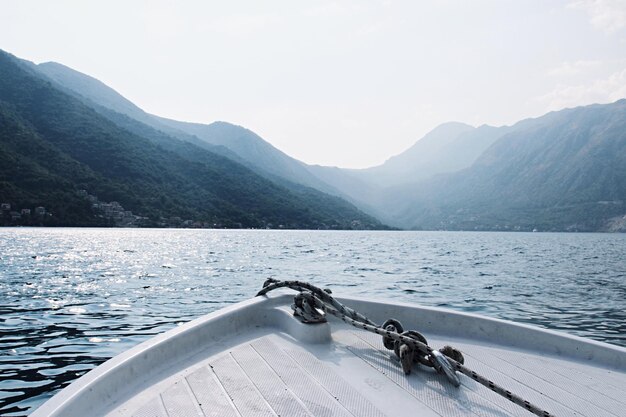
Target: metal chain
{"type": "Point", "coordinates": [331, 306]}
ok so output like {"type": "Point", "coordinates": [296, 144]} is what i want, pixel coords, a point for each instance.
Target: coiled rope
{"type": "Point", "coordinates": [410, 346]}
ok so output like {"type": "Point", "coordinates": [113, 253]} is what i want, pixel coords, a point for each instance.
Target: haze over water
{"type": "Point", "coordinates": [72, 298]}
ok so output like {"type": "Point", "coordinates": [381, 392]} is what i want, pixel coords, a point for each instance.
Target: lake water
{"type": "Point", "coordinates": [72, 298]}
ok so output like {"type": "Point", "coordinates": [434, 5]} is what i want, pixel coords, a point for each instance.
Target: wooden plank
{"type": "Point", "coordinates": [573, 385]}
{"type": "Point", "coordinates": [276, 393]}
{"type": "Point", "coordinates": [153, 408]}
{"type": "Point", "coordinates": [243, 393]}
{"type": "Point", "coordinates": [210, 394]}
{"type": "Point", "coordinates": [347, 396]}
{"type": "Point", "coordinates": [487, 361]}
{"type": "Point", "coordinates": [603, 381]}
{"type": "Point", "coordinates": [316, 399]}
{"type": "Point", "coordinates": [179, 401]}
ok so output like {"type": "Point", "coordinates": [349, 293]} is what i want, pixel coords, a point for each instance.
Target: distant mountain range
{"type": "Point", "coordinates": [565, 171]}
{"type": "Point", "coordinates": [86, 164]}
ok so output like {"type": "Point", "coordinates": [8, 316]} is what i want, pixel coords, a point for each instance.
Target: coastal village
{"type": "Point", "coordinates": [117, 216]}
{"type": "Point", "coordinates": [113, 214]}
{"type": "Point", "coordinates": [10, 215]}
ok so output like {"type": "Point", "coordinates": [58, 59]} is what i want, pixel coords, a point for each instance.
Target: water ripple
{"type": "Point", "coordinates": [72, 298]}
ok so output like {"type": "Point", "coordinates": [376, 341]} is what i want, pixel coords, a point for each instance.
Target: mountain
{"type": "Point", "coordinates": [448, 148]}
{"type": "Point", "coordinates": [250, 147]}
{"type": "Point", "coordinates": [361, 192]}
{"type": "Point", "coordinates": [35, 173]}
{"type": "Point", "coordinates": [563, 171]}
{"type": "Point", "coordinates": [426, 157]}
{"type": "Point", "coordinates": [232, 141]}
{"type": "Point", "coordinates": [114, 106]}
{"type": "Point", "coordinates": [60, 153]}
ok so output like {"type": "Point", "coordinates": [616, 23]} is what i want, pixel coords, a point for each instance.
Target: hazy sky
{"type": "Point", "coordinates": [346, 83]}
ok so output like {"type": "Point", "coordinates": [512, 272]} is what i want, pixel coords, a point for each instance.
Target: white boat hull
{"type": "Point", "coordinates": [255, 359]}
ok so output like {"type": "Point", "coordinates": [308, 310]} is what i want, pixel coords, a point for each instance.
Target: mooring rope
{"type": "Point", "coordinates": [410, 346]}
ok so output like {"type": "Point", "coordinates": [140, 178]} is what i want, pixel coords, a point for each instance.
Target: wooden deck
{"type": "Point", "coordinates": [356, 376]}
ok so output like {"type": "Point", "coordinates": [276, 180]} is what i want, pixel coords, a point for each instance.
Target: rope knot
{"type": "Point", "coordinates": [305, 306]}
{"type": "Point", "coordinates": [453, 353]}
{"type": "Point", "coordinates": [408, 354]}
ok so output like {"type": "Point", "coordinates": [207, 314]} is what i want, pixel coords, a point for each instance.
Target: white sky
{"type": "Point", "coordinates": [346, 83]}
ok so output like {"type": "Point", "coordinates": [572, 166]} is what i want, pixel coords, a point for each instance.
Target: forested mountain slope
{"type": "Point", "coordinates": [563, 171]}
{"type": "Point", "coordinates": [54, 145]}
